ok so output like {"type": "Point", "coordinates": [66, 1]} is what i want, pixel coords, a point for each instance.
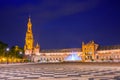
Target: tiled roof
{"type": "Point", "coordinates": [60, 50]}
{"type": "Point", "coordinates": [108, 47]}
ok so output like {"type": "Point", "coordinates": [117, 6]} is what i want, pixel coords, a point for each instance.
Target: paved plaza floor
{"type": "Point", "coordinates": [62, 71]}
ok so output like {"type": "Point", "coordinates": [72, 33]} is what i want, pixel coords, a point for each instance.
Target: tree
{"type": "Point", "coordinates": [15, 52]}
{"type": "Point", "coordinates": [3, 47]}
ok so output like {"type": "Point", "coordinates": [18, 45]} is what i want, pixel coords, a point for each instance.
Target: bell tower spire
{"type": "Point", "coordinates": [29, 41]}
{"type": "Point", "coordinates": [29, 25]}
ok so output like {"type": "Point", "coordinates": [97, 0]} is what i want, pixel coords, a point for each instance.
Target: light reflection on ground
{"type": "Point", "coordinates": [61, 71]}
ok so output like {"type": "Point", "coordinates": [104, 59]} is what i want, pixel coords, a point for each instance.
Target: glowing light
{"type": "Point", "coordinates": [3, 59]}
{"type": "Point", "coordinates": [7, 49]}
{"type": "Point", "coordinates": [73, 57]}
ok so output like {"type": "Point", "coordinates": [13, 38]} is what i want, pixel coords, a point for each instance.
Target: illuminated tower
{"type": "Point", "coordinates": [28, 47]}
{"type": "Point", "coordinates": [89, 50]}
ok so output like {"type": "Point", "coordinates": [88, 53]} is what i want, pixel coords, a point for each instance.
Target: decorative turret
{"type": "Point", "coordinates": [29, 25]}
{"type": "Point", "coordinates": [82, 43]}
{"type": "Point", "coordinates": [37, 45]}
{"type": "Point", "coordinates": [37, 49]}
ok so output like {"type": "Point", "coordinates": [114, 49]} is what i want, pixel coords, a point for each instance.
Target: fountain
{"type": "Point", "coordinates": [73, 57]}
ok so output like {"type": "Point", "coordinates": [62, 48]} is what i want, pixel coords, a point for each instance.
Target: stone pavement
{"type": "Point", "coordinates": [59, 72]}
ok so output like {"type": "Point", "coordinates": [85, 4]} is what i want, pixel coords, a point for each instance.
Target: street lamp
{"type": "Point", "coordinates": [21, 54]}
{"type": "Point", "coordinates": [7, 50]}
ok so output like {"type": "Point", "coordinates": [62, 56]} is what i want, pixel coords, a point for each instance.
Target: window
{"type": "Point", "coordinates": [97, 57]}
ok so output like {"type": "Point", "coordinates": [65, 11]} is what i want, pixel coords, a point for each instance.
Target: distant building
{"type": "Point", "coordinates": [90, 52]}
{"type": "Point", "coordinates": [108, 53]}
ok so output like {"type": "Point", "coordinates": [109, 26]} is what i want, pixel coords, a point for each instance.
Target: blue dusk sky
{"type": "Point", "coordinates": [60, 24]}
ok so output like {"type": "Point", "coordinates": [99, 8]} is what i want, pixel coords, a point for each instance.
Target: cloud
{"type": "Point", "coordinates": [47, 10]}
{"type": "Point", "coordinates": [68, 8]}
{"type": "Point", "coordinates": [54, 10]}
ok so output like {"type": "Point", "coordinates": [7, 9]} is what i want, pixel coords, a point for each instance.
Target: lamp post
{"type": "Point", "coordinates": [7, 50]}
{"type": "Point", "coordinates": [21, 54]}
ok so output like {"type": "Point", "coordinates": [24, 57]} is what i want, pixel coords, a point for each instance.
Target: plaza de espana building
{"type": "Point", "coordinates": [90, 52]}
